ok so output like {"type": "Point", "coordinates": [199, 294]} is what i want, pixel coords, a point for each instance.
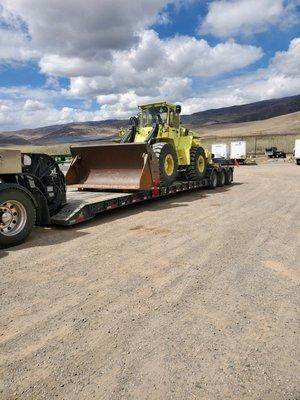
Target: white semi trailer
{"type": "Point", "coordinates": [238, 151]}
{"type": "Point", "coordinates": [297, 151]}
{"type": "Point", "coordinates": [220, 150]}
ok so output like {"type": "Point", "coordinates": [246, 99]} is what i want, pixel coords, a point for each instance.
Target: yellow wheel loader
{"type": "Point", "coordinates": [154, 151]}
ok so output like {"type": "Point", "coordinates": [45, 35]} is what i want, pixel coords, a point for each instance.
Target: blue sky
{"type": "Point", "coordinates": [94, 60]}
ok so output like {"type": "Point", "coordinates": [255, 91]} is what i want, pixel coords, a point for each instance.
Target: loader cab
{"type": "Point", "coordinates": [166, 114]}
{"type": "Point", "coordinates": [149, 115]}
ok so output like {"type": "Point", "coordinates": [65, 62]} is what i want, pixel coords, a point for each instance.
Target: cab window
{"type": "Point", "coordinates": [171, 119]}
{"type": "Point", "coordinates": [176, 120]}
{"type": "Point", "coordinates": [144, 118]}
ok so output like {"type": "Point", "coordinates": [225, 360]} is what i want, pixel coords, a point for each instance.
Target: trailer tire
{"type": "Point", "coordinates": [213, 180]}
{"type": "Point", "coordinates": [228, 176]}
{"type": "Point", "coordinates": [198, 164]}
{"type": "Point", "coordinates": [17, 216]}
{"type": "Point", "coordinates": [298, 161]}
{"type": "Point", "coordinates": [221, 178]}
{"type": "Point", "coordinates": [167, 162]}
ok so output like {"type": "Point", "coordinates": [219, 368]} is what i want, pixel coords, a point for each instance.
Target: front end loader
{"type": "Point", "coordinates": [153, 151]}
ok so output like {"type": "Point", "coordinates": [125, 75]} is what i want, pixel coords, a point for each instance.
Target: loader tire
{"type": "Point", "coordinates": [17, 216]}
{"type": "Point", "coordinates": [167, 161]}
{"type": "Point", "coordinates": [198, 164]}
{"type": "Point", "coordinates": [221, 178]}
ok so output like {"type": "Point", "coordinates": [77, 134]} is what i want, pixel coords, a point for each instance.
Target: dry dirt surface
{"type": "Point", "coordinates": [191, 297]}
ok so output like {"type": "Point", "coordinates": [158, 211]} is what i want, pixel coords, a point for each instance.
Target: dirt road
{"type": "Point", "coordinates": [191, 297]}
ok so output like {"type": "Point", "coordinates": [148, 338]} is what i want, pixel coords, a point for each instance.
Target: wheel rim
{"type": "Point", "coordinates": [169, 165]}
{"type": "Point", "coordinates": [201, 163]}
{"type": "Point", "coordinates": [13, 217]}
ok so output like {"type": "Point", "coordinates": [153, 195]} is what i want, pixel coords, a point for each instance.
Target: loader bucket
{"type": "Point", "coordinates": [131, 166]}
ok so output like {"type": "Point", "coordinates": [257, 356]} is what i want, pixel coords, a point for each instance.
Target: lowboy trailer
{"type": "Point", "coordinates": [33, 192]}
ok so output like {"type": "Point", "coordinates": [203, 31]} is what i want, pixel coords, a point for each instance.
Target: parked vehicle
{"type": "Point", "coordinates": [238, 151]}
{"type": "Point", "coordinates": [272, 152]}
{"type": "Point", "coordinates": [297, 151]}
{"type": "Point", "coordinates": [220, 150]}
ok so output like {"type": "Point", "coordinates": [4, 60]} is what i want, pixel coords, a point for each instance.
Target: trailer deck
{"type": "Point", "coordinates": [84, 205]}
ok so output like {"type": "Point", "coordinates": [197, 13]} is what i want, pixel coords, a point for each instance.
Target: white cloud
{"type": "Point", "coordinates": [156, 58]}
{"type": "Point", "coordinates": [33, 105]}
{"type": "Point", "coordinates": [18, 115]}
{"type": "Point", "coordinates": [77, 28]}
{"type": "Point", "coordinates": [15, 47]}
{"type": "Point", "coordinates": [228, 18]}
{"type": "Point", "coordinates": [154, 63]}
{"type": "Point", "coordinates": [99, 38]}
{"type": "Point", "coordinates": [197, 58]}
{"type": "Point", "coordinates": [280, 79]}
{"type": "Point", "coordinates": [55, 64]}
{"type": "Point", "coordinates": [22, 93]}
{"type": "Point", "coordinates": [52, 82]}
{"type": "Point", "coordinates": [288, 62]}
{"type": "Point", "coordinates": [15, 44]}
{"type": "Point", "coordinates": [124, 105]}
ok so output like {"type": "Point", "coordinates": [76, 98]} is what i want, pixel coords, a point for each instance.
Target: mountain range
{"type": "Point", "coordinates": [210, 122]}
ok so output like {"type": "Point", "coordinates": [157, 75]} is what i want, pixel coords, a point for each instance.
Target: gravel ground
{"type": "Point", "coordinates": [191, 297]}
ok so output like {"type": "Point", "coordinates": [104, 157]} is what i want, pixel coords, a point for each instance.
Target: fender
{"type": "Point", "coordinates": [6, 186]}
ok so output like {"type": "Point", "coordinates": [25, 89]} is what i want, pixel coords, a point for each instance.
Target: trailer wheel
{"type": "Point", "coordinates": [167, 161]}
{"type": "Point", "coordinates": [298, 161]}
{"type": "Point", "coordinates": [221, 178]}
{"type": "Point", "coordinates": [213, 180]}
{"type": "Point", "coordinates": [198, 164]}
{"type": "Point", "coordinates": [228, 176]}
{"type": "Point", "coordinates": [17, 216]}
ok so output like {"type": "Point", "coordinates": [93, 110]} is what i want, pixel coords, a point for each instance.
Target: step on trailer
{"type": "Point", "coordinates": [33, 192]}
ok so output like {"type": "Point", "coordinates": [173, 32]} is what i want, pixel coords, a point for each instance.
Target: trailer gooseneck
{"type": "Point", "coordinates": [33, 192]}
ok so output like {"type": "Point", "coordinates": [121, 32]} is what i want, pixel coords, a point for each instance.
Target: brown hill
{"type": "Point", "coordinates": [236, 120]}
{"type": "Point", "coordinates": [282, 125]}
